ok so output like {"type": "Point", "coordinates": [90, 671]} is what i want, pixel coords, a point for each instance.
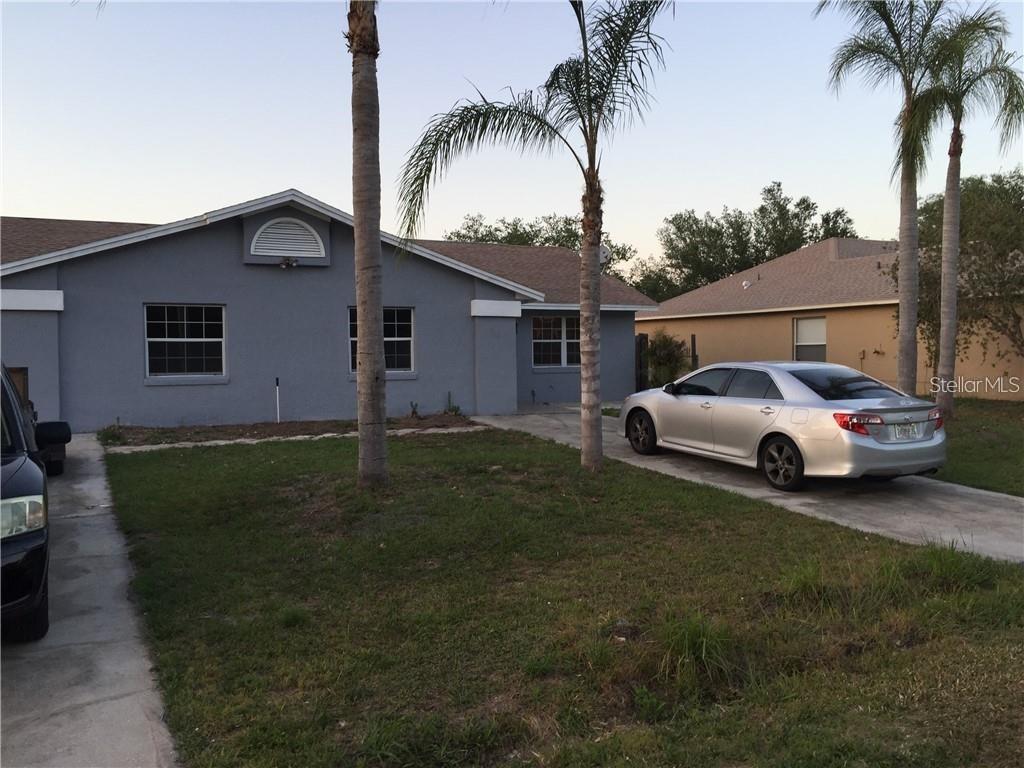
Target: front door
{"type": "Point", "coordinates": [687, 420]}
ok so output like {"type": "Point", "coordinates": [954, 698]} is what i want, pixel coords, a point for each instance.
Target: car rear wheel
{"type": "Point", "coordinates": [641, 434]}
{"type": "Point", "coordinates": [782, 464]}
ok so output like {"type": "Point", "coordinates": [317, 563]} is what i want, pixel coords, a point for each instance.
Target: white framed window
{"type": "Point", "coordinates": [398, 338]}
{"type": "Point", "coordinates": [556, 341]}
{"type": "Point", "coordinates": [809, 339]}
{"type": "Point", "coordinates": [184, 339]}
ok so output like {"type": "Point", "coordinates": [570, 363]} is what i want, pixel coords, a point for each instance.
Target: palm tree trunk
{"type": "Point", "coordinates": [365, 47]}
{"type": "Point", "coordinates": [950, 258]}
{"type": "Point", "coordinates": [591, 449]}
{"type": "Point", "coordinates": [906, 364]}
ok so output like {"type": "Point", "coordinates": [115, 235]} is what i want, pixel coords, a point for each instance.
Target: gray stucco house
{"type": "Point", "coordinates": [192, 322]}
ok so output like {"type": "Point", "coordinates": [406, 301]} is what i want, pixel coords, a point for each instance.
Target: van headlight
{"type": "Point", "coordinates": [22, 514]}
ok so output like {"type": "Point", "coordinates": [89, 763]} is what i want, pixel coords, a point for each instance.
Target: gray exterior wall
{"type": "Point", "coordinates": [562, 385]}
{"type": "Point", "coordinates": [87, 364]}
{"type": "Point", "coordinates": [30, 340]}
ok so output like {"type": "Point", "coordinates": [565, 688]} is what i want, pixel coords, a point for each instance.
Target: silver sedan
{"type": "Point", "coordinates": [791, 421]}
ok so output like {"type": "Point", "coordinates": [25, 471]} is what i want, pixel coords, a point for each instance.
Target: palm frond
{"type": "Point", "coordinates": [624, 53]}
{"type": "Point", "coordinates": [526, 121]}
{"type": "Point", "coordinates": [874, 57]}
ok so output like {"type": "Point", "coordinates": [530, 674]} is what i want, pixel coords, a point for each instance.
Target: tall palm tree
{"type": "Point", "coordinates": [896, 42]}
{"type": "Point", "coordinates": [603, 87]}
{"type": "Point", "coordinates": [365, 47]}
{"type": "Point", "coordinates": [974, 73]}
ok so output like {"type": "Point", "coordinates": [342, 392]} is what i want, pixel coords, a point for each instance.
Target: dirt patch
{"type": "Point", "coordinates": [132, 435]}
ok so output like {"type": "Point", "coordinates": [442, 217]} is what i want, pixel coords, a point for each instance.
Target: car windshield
{"type": "Point", "coordinates": [832, 384]}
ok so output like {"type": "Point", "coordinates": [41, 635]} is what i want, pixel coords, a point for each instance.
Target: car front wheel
{"type": "Point", "coordinates": [641, 433]}
{"type": "Point", "coordinates": [34, 625]}
{"type": "Point", "coordinates": [782, 464]}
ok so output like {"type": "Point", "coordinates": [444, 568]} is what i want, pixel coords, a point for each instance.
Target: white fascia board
{"type": "Point", "coordinates": [604, 307]}
{"type": "Point", "coordinates": [32, 300]}
{"type": "Point", "coordinates": [491, 308]}
{"type": "Point", "coordinates": [807, 308]}
{"type": "Point", "coordinates": [288, 197]}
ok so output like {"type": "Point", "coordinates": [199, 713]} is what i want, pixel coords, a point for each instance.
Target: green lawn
{"type": "Point", "coordinates": [986, 446]}
{"type": "Point", "coordinates": [496, 606]}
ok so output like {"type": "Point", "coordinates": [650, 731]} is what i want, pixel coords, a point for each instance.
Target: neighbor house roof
{"type": "Point", "coordinates": [554, 270]}
{"type": "Point", "coordinates": [21, 237]}
{"type": "Point", "coordinates": [834, 272]}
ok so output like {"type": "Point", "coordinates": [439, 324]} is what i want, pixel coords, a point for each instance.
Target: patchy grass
{"type": "Point", "coordinates": [986, 446]}
{"type": "Point", "coordinates": [611, 412]}
{"type": "Point", "coordinates": [118, 434]}
{"type": "Point", "coordinates": [498, 606]}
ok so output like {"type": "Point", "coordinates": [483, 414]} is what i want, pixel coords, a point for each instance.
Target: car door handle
{"type": "Point", "coordinates": [767, 411]}
{"type": "Point", "coordinates": [705, 405]}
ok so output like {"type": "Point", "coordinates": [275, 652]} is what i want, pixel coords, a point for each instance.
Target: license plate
{"type": "Point", "coordinates": [905, 431]}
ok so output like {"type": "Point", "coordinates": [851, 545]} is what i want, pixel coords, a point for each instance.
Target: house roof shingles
{"type": "Point", "coordinates": [834, 271]}
{"type": "Point", "coordinates": [22, 237]}
{"type": "Point", "coordinates": [550, 269]}
{"type": "Point", "coordinates": [553, 271]}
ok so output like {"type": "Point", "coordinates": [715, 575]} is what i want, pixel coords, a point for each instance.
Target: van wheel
{"type": "Point", "coordinates": [782, 464]}
{"type": "Point", "coordinates": [641, 433]}
{"type": "Point", "coordinates": [54, 468]}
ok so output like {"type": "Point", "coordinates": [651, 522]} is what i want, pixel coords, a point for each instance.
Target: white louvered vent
{"type": "Point", "coordinates": [287, 239]}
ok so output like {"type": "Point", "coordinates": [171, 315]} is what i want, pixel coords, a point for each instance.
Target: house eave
{"type": "Point", "coordinates": [288, 197]}
{"type": "Point", "coordinates": [769, 310]}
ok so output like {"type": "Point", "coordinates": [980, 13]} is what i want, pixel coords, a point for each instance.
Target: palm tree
{"type": "Point", "coordinates": [603, 87]}
{"type": "Point", "coordinates": [896, 42]}
{"type": "Point", "coordinates": [365, 47]}
{"type": "Point", "coordinates": [974, 73]}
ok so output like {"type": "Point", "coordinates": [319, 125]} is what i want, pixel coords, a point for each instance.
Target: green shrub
{"type": "Point", "coordinates": [668, 358]}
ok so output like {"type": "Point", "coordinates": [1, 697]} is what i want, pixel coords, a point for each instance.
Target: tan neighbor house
{"type": "Point", "coordinates": [831, 301]}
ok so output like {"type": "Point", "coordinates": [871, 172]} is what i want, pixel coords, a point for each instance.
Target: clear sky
{"type": "Point", "coordinates": [158, 111]}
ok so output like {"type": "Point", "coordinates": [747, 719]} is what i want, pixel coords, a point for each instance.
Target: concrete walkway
{"type": "Point", "coordinates": [286, 439]}
{"type": "Point", "coordinates": [84, 695]}
{"type": "Point", "coordinates": [911, 509]}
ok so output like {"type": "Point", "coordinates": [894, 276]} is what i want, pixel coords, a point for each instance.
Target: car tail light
{"type": "Point", "coordinates": [935, 414]}
{"type": "Point", "coordinates": [856, 422]}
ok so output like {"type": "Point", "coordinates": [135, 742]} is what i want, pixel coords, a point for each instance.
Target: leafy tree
{"type": "Point", "coordinates": [702, 249]}
{"type": "Point", "coordinates": [976, 73]}
{"type": "Point", "coordinates": [897, 42]}
{"type": "Point", "coordinates": [370, 407]}
{"type": "Point", "coordinates": [603, 87]}
{"type": "Point", "coordinates": [553, 229]}
{"type": "Point", "coordinates": [668, 358]}
{"type": "Point", "coordinates": [991, 266]}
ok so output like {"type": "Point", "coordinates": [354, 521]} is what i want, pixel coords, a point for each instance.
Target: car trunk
{"type": "Point", "coordinates": [905, 419]}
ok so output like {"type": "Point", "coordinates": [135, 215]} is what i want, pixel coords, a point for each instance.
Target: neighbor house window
{"type": "Point", "coordinates": [397, 338]}
{"type": "Point", "coordinates": [809, 339]}
{"type": "Point", "coordinates": [556, 341]}
{"type": "Point", "coordinates": [184, 340]}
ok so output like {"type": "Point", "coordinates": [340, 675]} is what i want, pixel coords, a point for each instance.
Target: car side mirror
{"type": "Point", "coordinates": [670, 388]}
{"type": "Point", "coordinates": [52, 433]}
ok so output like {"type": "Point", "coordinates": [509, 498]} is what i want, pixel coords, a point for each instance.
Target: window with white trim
{"type": "Point", "coordinates": [184, 340]}
{"type": "Point", "coordinates": [809, 339]}
{"type": "Point", "coordinates": [397, 338]}
{"type": "Point", "coordinates": [556, 341]}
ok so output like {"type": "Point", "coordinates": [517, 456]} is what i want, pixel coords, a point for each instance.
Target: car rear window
{"type": "Point", "coordinates": [832, 384]}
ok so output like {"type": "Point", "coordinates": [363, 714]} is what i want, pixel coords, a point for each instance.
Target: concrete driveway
{"type": "Point", "coordinates": [84, 695]}
{"type": "Point", "coordinates": [911, 509]}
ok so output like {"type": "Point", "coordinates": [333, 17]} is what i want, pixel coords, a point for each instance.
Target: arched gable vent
{"type": "Point", "coordinates": [287, 238]}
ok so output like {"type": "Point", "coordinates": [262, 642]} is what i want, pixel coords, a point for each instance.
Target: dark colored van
{"type": "Point", "coordinates": [24, 528]}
